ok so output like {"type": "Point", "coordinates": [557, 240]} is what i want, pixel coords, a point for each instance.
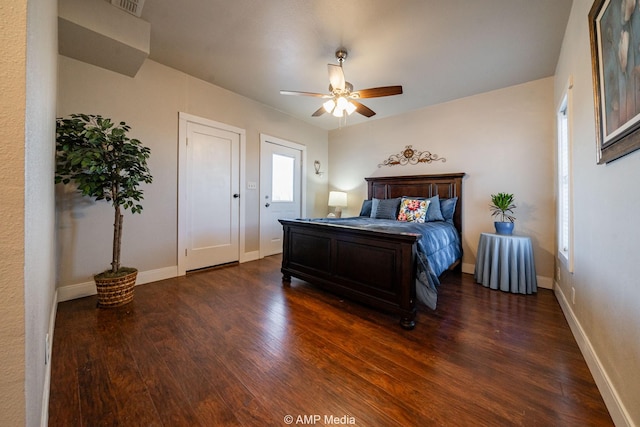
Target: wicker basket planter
{"type": "Point", "coordinates": [115, 291]}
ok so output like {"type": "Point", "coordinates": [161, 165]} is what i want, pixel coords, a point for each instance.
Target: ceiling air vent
{"type": "Point", "coordinates": [134, 7]}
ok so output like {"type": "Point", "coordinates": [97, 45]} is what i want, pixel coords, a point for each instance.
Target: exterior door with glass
{"type": "Point", "coordinates": [280, 189]}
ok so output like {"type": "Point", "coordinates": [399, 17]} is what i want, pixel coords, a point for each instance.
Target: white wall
{"type": "Point", "coordinates": [606, 314]}
{"type": "Point", "coordinates": [150, 103]}
{"type": "Point", "coordinates": [39, 203]}
{"type": "Point", "coordinates": [502, 140]}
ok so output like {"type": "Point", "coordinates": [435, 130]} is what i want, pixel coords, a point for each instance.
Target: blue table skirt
{"type": "Point", "coordinates": [506, 263]}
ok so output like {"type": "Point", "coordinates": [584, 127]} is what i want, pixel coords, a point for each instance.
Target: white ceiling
{"type": "Point", "coordinates": [438, 50]}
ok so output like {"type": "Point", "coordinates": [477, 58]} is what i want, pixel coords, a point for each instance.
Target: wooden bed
{"type": "Point", "coordinates": [371, 267]}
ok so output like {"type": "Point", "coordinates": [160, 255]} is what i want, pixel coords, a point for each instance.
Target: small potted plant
{"type": "Point", "coordinates": [502, 207]}
{"type": "Point", "coordinates": [97, 156]}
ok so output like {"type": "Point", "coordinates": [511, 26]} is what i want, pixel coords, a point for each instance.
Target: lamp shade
{"type": "Point", "coordinates": [329, 105]}
{"type": "Point", "coordinates": [350, 108]}
{"type": "Point", "coordinates": [337, 198]}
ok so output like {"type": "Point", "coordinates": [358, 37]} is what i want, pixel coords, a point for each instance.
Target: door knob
{"type": "Point", "coordinates": [266, 205]}
{"type": "Point", "coordinates": [236, 195]}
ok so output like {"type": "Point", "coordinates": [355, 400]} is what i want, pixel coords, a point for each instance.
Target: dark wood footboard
{"type": "Point", "coordinates": [374, 268]}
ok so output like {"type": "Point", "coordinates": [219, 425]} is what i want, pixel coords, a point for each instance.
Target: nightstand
{"type": "Point", "coordinates": [505, 262]}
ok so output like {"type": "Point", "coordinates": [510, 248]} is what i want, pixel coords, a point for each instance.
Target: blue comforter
{"type": "Point", "coordinates": [438, 247]}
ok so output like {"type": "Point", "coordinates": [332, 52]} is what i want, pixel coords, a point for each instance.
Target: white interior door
{"type": "Point", "coordinates": [211, 206]}
{"type": "Point", "coordinates": [281, 189]}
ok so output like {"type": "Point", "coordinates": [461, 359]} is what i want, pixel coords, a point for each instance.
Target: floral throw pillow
{"type": "Point", "coordinates": [413, 210]}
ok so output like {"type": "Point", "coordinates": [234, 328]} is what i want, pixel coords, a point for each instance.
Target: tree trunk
{"type": "Point", "coordinates": [117, 240]}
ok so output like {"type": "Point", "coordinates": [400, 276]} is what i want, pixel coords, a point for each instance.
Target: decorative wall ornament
{"type": "Point", "coordinates": [412, 157]}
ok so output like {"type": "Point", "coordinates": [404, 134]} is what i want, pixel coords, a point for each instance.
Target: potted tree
{"type": "Point", "coordinates": [502, 206]}
{"type": "Point", "coordinates": [97, 156]}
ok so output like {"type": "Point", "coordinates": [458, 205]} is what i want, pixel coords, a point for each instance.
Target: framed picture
{"type": "Point", "coordinates": [614, 28]}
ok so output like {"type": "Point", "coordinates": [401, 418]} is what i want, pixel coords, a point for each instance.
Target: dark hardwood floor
{"type": "Point", "coordinates": [234, 347]}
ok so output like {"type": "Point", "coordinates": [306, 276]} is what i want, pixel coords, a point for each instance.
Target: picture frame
{"type": "Point", "coordinates": [614, 28]}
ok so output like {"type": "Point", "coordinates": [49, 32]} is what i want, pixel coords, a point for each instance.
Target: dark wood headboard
{"type": "Point", "coordinates": [444, 185]}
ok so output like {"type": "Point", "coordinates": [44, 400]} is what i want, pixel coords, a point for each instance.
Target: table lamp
{"type": "Point", "coordinates": [338, 199]}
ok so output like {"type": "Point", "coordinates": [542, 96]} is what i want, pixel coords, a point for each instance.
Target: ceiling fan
{"type": "Point", "coordinates": [342, 99]}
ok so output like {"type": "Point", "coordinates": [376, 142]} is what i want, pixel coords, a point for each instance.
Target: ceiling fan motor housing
{"type": "Point", "coordinates": [341, 55]}
{"type": "Point", "coordinates": [348, 88]}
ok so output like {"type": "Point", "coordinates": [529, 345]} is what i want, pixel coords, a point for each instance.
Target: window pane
{"type": "Point", "coordinates": [282, 169]}
{"type": "Point", "coordinates": [564, 188]}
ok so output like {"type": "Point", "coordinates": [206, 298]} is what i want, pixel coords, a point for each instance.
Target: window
{"type": "Point", "coordinates": [282, 178]}
{"type": "Point", "coordinates": [565, 243]}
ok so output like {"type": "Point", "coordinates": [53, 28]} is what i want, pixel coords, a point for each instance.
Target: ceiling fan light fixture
{"type": "Point", "coordinates": [329, 105]}
{"type": "Point", "coordinates": [338, 112]}
{"type": "Point", "coordinates": [350, 108]}
{"type": "Point", "coordinates": [342, 102]}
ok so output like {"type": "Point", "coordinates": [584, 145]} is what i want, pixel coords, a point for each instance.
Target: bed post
{"type": "Point", "coordinates": [286, 276]}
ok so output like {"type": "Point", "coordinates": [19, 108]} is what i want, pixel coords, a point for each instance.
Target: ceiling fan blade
{"type": "Point", "coordinates": [293, 92]}
{"type": "Point", "coordinates": [376, 92]}
{"type": "Point", "coordinates": [363, 109]}
{"type": "Point", "coordinates": [336, 76]}
{"type": "Point", "coordinates": [320, 111]}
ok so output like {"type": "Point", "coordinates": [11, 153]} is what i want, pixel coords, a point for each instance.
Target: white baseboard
{"type": "Point", "coordinates": [157, 274]}
{"type": "Point", "coordinates": [46, 388]}
{"type": "Point", "coordinates": [81, 290]}
{"type": "Point", "coordinates": [617, 410]}
{"type": "Point", "coordinates": [468, 268]}
{"type": "Point", "coordinates": [545, 282]}
{"type": "Point", "coordinates": [250, 256]}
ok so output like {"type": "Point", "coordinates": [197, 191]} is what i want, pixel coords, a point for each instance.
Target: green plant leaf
{"type": "Point", "coordinates": [502, 206]}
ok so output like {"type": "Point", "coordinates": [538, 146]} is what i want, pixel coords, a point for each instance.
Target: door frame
{"type": "Point", "coordinates": [183, 120]}
{"type": "Point", "coordinates": [268, 139]}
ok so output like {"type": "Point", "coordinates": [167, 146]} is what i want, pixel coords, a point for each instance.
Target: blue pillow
{"type": "Point", "coordinates": [448, 207]}
{"type": "Point", "coordinates": [385, 208]}
{"type": "Point", "coordinates": [374, 207]}
{"type": "Point", "coordinates": [433, 212]}
{"type": "Point", "coordinates": [366, 208]}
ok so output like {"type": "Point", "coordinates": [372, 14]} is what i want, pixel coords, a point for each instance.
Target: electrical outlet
{"type": "Point", "coordinates": [573, 295]}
